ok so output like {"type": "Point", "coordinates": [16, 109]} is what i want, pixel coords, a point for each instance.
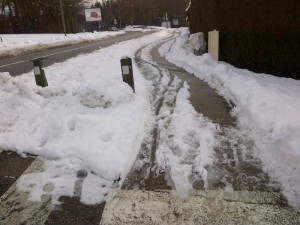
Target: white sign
{"type": "Point", "coordinates": [37, 70]}
{"type": "Point", "coordinates": [93, 14]}
{"type": "Point", "coordinates": [125, 70]}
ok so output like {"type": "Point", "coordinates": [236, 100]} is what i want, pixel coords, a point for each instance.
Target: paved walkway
{"type": "Point", "coordinates": [143, 200]}
{"type": "Point", "coordinates": [204, 99]}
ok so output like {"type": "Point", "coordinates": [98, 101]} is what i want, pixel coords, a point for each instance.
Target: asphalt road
{"type": "Point", "coordinates": [22, 64]}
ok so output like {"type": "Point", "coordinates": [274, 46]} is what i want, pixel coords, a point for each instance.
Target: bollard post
{"type": "Point", "coordinates": [127, 73]}
{"type": "Point", "coordinates": [213, 44]}
{"type": "Point", "coordinates": [39, 73]}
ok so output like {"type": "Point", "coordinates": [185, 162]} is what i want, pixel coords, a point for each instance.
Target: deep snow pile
{"type": "Point", "coordinates": [86, 119]}
{"type": "Point", "coordinates": [267, 108]}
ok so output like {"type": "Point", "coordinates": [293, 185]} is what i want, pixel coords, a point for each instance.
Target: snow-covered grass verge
{"type": "Point", "coordinates": [267, 108]}
{"type": "Point", "coordinates": [17, 44]}
{"type": "Point", "coordinates": [87, 121]}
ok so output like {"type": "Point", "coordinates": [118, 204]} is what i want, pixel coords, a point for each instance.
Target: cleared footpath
{"type": "Point", "coordinates": [147, 197]}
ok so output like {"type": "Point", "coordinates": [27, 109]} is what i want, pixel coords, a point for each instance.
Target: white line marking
{"type": "Point", "coordinates": [10, 64]}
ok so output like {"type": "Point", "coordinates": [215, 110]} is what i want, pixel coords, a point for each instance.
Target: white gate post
{"type": "Point", "coordinates": [213, 44]}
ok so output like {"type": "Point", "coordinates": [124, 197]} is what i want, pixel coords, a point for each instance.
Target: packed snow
{"type": "Point", "coordinates": [89, 120]}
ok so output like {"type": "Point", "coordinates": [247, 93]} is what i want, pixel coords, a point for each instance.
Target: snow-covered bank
{"type": "Point", "coordinates": [86, 119]}
{"type": "Point", "coordinates": [17, 44]}
{"type": "Point", "coordinates": [267, 108]}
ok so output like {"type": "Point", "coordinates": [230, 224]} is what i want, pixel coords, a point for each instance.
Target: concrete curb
{"type": "Point", "coordinates": [203, 207]}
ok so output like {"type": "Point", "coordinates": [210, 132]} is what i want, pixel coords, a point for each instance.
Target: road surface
{"type": "Point", "coordinates": [22, 64]}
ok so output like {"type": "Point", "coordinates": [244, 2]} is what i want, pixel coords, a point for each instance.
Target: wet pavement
{"type": "Point", "coordinates": [12, 167]}
{"type": "Point", "coordinates": [72, 211]}
{"type": "Point", "coordinates": [204, 99]}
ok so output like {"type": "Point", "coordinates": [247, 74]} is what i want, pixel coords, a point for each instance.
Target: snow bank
{"type": "Point", "coordinates": [267, 107]}
{"type": "Point", "coordinates": [17, 44]}
{"type": "Point", "coordinates": [86, 119]}
{"type": "Point", "coordinates": [142, 28]}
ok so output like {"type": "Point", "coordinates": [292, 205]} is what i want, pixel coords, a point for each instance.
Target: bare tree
{"type": "Point", "coordinates": [26, 16]}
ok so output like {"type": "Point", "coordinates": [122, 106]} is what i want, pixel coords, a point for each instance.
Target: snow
{"type": "Point", "coordinates": [267, 108]}
{"type": "Point", "coordinates": [187, 143]}
{"type": "Point", "coordinates": [186, 138]}
{"type": "Point", "coordinates": [141, 28]}
{"type": "Point", "coordinates": [17, 44]}
{"type": "Point", "coordinates": [87, 119]}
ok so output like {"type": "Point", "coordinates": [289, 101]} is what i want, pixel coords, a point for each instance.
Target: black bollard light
{"type": "Point", "coordinates": [127, 73]}
{"type": "Point", "coordinates": [39, 73]}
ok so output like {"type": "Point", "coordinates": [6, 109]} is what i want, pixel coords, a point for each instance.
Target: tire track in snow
{"type": "Point", "coordinates": [235, 167]}
{"type": "Point", "coordinates": [145, 174]}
